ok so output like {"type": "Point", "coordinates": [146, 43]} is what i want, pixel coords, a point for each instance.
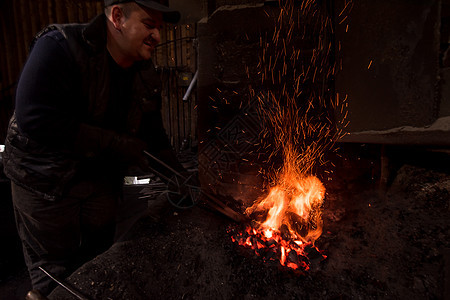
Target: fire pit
{"type": "Point", "coordinates": [393, 245]}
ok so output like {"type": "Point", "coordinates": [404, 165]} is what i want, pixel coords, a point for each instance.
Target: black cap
{"type": "Point", "coordinates": [169, 15]}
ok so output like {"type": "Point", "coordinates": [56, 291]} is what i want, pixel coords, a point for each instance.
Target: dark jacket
{"type": "Point", "coordinates": [47, 166]}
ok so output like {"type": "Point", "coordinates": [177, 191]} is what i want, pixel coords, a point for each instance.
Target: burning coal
{"type": "Point", "coordinates": [271, 245]}
{"type": "Point", "coordinates": [288, 220]}
{"type": "Point", "coordinates": [297, 103]}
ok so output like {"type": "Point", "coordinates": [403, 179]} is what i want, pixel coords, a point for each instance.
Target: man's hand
{"type": "Point", "coordinates": [93, 141]}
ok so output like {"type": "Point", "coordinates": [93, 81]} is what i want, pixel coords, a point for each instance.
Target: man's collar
{"type": "Point", "coordinates": [95, 33]}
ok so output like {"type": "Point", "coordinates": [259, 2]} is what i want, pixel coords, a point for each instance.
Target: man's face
{"type": "Point", "coordinates": [140, 32]}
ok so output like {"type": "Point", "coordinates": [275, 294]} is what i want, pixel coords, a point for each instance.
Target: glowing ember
{"type": "Point", "coordinates": [291, 221]}
{"type": "Point", "coordinates": [271, 246]}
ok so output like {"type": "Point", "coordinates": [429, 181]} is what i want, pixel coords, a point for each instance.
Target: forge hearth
{"type": "Point", "coordinates": [392, 245]}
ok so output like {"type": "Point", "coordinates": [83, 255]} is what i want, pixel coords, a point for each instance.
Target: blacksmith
{"type": "Point", "coordinates": [87, 105]}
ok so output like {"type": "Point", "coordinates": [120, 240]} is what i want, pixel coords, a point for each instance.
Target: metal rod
{"type": "Point", "coordinates": [191, 86]}
{"type": "Point", "coordinates": [164, 164]}
{"type": "Point", "coordinates": [67, 288]}
{"type": "Point", "coordinates": [220, 206]}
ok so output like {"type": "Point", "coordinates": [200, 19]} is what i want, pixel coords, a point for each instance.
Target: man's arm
{"type": "Point", "coordinates": [46, 103]}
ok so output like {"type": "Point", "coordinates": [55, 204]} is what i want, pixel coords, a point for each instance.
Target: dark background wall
{"type": "Point", "coordinates": [400, 40]}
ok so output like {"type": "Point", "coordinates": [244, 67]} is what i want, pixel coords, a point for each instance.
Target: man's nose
{"type": "Point", "coordinates": [156, 35]}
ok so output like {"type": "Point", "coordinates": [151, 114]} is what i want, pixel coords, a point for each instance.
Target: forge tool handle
{"type": "Point", "coordinates": [218, 205]}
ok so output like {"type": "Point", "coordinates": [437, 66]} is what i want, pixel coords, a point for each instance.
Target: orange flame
{"type": "Point", "coordinates": [294, 202]}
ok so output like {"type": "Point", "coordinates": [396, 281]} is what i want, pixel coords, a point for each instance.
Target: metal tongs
{"type": "Point", "coordinates": [183, 192]}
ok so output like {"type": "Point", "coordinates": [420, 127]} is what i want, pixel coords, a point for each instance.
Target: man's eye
{"type": "Point", "coordinates": [149, 26]}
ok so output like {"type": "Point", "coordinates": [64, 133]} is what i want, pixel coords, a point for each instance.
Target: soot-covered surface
{"type": "Point", "coordinates": [393, 245]}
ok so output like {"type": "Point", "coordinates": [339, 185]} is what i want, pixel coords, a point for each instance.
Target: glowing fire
{"type": "Point", "coordinates": [291, 219]}
{"type": "Point", "coordinates": [294, 203]}
{"type": "Point", "coordinates": [298, 114]}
